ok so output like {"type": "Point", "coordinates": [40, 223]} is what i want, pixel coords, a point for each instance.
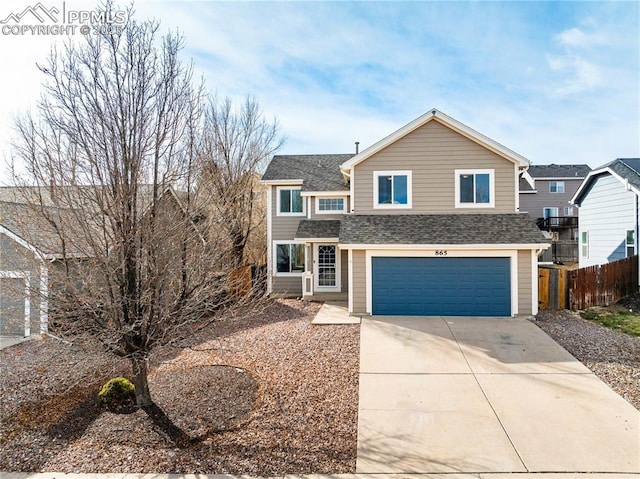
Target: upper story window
{"type": "Point", "coordinates": [631, 243]}
{"type": "Point", "coordinates": [556, 187]}
{"type": "Point", "coordinates": [392, 189]}
{"type": "Point", "coordinates": [474, 188]}
{"type": "Point", "coordinates": [290, 202]}
{"type": "Point", "coordinates": [584, 244]}
{"type": "Point", "coordinates": [330, 205]}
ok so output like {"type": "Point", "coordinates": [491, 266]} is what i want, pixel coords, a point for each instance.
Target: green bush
{"type": "Point", "coordinates": [116, 390]}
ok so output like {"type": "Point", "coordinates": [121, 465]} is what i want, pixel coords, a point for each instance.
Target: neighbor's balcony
{"type": "Point", "coordinates": [557, 222]}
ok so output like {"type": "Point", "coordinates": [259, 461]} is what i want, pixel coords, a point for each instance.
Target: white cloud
{"type": "Point", "coordinates": [579, 75]}
{"type": "Point", "coordinates": [575, 37]}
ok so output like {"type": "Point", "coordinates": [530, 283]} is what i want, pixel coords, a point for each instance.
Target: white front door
{"type": "Point", "coordinates": [327, 267]}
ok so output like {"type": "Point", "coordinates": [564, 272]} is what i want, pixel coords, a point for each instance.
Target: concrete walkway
{"type": "Point", "coordinates": [7, 341]}
{"type": "Point", "coordinates": [335, 312]}
{"type": "Point", "coordinates": [485, 395]}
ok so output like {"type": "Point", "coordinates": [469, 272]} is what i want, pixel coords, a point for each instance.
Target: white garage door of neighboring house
{"type": "Point", "coordinates": [463, 286]}
{"type": "Point", "coordinates": [14, 306]}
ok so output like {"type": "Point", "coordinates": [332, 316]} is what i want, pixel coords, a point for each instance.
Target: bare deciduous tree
{"type": "Point", "coordinates": [112, 152]}
{"type": "Point", "coordinates": [237, 144]}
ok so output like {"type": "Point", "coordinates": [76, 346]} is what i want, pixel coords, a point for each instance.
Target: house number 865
{"type": "Point", "coordinates": [441, 252]}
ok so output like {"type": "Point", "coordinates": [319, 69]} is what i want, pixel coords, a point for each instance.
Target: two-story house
{"type": "Point", "coordinates": [545, 192]}
{"type": "Point", "coordinates": [609, 214]}
{"type": "Point", "coordinates": [423, 222]}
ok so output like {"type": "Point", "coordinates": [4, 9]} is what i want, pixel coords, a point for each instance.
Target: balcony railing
{"type": "Point", "coordinates": [557, 222]}
{"type": "Point", "coordinates": [560, 252]}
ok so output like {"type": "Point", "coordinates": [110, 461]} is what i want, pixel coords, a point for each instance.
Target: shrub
{"type": "Point", "coordinates": [116, 390]}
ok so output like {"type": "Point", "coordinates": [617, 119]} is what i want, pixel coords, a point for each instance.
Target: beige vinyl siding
{"type": "Point", "coordinates": [344, 270]}
{"type": "Point", "coordinates": [288, 285]}
{"type": "Point", "coordinates": [359, 282]}
{"type": "Point", "coordinates": [283, 228]}
{"type": "Point", "coordinates": [432, 153]}
{"type": "Point", "coordinates": [524, 282]}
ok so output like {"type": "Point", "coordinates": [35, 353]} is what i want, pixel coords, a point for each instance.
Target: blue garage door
{"type": "Point", "coordinates": [441, 286]}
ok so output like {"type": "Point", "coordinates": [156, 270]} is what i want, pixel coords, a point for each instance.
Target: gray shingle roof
{"type": "Point", "coordinates": [559, 171]}
{"type": "Point", "coordinates": [439, 229]}
{"type": "Point", "coordinates": [318, 172]}
{"type": "Point", "coordinates": [27, 222]}
{"type": "Point", "coordinates": [318, 229]}
{"type": "Point", "coordinates": [628, 168]}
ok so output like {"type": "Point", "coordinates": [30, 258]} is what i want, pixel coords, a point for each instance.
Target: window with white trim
{"type": "Point", "coordinates": [290, 201]}
{"type": "Point", "coordinates": [327, 205]}
{"type": "Point", "coordinates": [631, 243]}
{"type": "Point", "coordinates": [568, 211]}
{"type": "Point", "coordinates": [474, 188]}
{"type": "Point", "coordinates": [556, 187]}
{"type": "Point", "coordinates": [392, 189]}
{"type": "Point", "coordinates": [289, 258]}
{"type": "Point", "coordinates": [584, 244]}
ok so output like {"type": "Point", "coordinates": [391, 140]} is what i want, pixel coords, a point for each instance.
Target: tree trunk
{"type": "Point", "coordinates": [143, 396]}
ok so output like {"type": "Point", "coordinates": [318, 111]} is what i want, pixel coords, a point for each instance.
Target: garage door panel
{"type": "Point", "coordinates": [441, 286]}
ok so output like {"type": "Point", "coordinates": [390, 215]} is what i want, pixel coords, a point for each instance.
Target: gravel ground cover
{"type": "Point", "coordinates": [268, 394]}
{"type": "Point", "coordinates": [612, 355]}
{"type": "Point", "coordinates": [265, 395]}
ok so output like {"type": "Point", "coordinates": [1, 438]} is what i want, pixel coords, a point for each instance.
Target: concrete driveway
{"type": "Point", "coordinates": [474, 395]}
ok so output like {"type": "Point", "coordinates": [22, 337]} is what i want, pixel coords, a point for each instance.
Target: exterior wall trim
{"type": "Point", "coordinates": [269, 240]}
{"type": "Point", "coordinates": [282, 182]}
{"type": "Point", "coordinates": [350, 279]}
{"type": "Point", "coordinates": [325, 193]}
{"type": "Point", "coordinates": [315, 240]}
{"type": "Point", "coordinates": [457, 247]}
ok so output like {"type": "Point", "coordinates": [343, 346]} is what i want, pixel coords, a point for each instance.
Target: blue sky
{"type": "Point", "coordinates": [555, 81]}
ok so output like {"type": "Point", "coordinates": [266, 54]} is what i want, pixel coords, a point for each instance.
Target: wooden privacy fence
{"type": "Point", "coordinates": [247, 279]}
{"type": "Point", "coordinates": [582, 288]}
{"type": "Point", "coordinates": [603, 284]}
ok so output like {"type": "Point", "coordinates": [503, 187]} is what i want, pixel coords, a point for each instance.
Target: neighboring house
{"type": "Point", "coordinates": [423, 222]}
{"type": "Point", "coordinates": [33, 259]}
{"type": "Point", "coordinates": [29, 250]}
{"type": "Point", "coordinates": [607, 203]}
{"type": "Point", "coordinates": [545, 192]}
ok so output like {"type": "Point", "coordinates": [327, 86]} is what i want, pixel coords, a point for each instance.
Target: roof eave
{"type": "Point", "coordinates": [282, 182]}
{"type": "Point", "coordinates": [582, 190]}
{"type": "Point", "coordinates": [452, 123]}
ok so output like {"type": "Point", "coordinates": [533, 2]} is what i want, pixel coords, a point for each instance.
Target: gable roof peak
{"type": "Point", "coordinates": [434, 114]}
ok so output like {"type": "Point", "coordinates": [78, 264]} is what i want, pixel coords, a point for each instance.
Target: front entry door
{"type": "Point", "coordinates": [327, 271]}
